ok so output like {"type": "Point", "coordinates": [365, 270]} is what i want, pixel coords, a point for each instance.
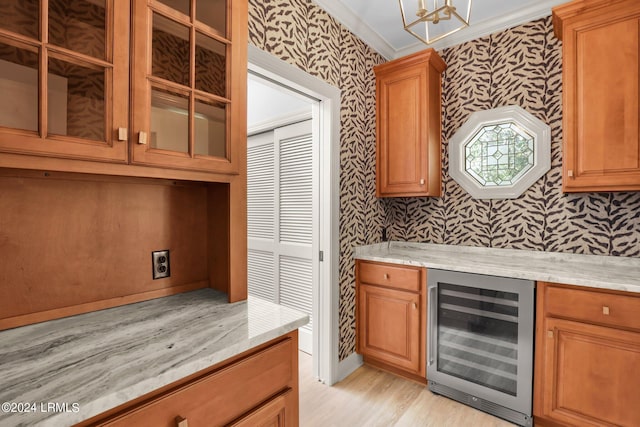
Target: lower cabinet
{"type": "Point", "coordinates": [272, 414]}
{"type": "Point", "coordinates": [391, 317]}
{"type": "Point", "coordinates": [258, 389]}
{"type": "Point", "coordinates": [587, 357]}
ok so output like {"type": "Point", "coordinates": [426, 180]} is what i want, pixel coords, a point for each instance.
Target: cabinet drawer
{"type": "Point", "coordinates": [594, 307]}
{"type": "Point", "coordinates": [408, 278]}
{"type": "Point", "coordinates": [220, 397]}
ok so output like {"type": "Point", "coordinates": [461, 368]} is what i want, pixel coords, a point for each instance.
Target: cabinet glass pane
{"type": "Point", "coordinates": [169, 121]}
{"type": "Point", "coordinates": [214, 14]}
{"type": "Point", "coordinates": [76, 100]}
{"type": "Point", "coordinates": [78, 25]}
{"type": "Point", "coordinates": [180, 5]}
{"type": "Point", "coordinates": [20, 16]}
{"type": "Point", "coordinates": [19, 88]}
{"type": "Point", "coordinates": [210, 128]}
{"type": "Point", "coordinates": [210, 65]}
{"type": "Point", "coordinates": [170, 50]}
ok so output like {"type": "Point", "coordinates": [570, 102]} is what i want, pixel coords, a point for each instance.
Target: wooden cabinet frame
{"type": "Point", "coordinates": [391, 318]}
{"type": "Point", "coordinates": [27, 150]}
{"type": "Point", "coordinates": [408, 140]}
{"type": "Point", "coordinates": [116, 80]}
{"type": "Point", "coordinates": [587, 357]}
{"type": "Point", "coordinates": [601, 69]}
{"type": "Point", "coordinates": [236, 77]}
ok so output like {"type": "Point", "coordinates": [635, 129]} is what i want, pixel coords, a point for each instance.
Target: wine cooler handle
{"type": "Point", "coordinates": [431, 324]}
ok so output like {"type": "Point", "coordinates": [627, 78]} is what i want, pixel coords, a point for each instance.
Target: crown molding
{"type": "Point", "coordinates": [349, 19]}
{"type": "Point", "coordinates": [476, 30]}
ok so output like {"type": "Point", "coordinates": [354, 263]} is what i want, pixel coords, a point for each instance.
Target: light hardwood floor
{"type": "Point", "coordinates": [373, 398]}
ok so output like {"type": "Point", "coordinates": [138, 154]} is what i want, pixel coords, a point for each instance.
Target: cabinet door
{"type": "Point", "coordinates": [408, 126]}
{"type": "Point", "coordinates": [272, 414]}
{"type": "Point", "coordinates": [389, 326]}
{"type": "Point", "coordinates": [189, 79]}
{"type": "Point", "coordinates": [591, 375]}
{"type": "Point", "coordinates": [64, 73]}
{"type": "Point", "coordinates": [601, 127]}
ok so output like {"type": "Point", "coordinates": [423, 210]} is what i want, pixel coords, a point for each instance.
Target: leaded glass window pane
{"type": "Point", "coordinates": [498, 155]}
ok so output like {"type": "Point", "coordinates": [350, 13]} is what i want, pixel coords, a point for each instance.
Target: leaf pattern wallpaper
{"type": "Point", "coordinates": [522, 66]}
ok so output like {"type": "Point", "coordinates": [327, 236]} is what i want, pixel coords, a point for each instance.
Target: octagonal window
{"type": "Point", "coordinates": [499, 153]}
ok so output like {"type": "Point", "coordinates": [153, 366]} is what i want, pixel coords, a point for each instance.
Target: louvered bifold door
{"type": "Point", "coordinates": [261, 213]}
{"type": "Point", "coordinates": [281, 218]}
{"type": "Point", "coordinates": [295, 152]}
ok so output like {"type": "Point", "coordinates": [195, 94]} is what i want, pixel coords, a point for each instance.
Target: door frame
{"type": "Point", "coordinates": [327, 114]}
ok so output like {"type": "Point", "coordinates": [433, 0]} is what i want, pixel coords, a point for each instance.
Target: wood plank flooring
{"type": "Point", "coordinates": [370, 397]}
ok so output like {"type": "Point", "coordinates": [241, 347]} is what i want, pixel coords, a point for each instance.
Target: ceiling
{"type": "Point", "coordinates": [379, 23]}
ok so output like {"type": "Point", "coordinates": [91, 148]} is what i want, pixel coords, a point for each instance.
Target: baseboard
{"type": "Point", "coordinates": [348, 365]}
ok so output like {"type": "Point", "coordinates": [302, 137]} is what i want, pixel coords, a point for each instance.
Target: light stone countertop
{"type": "Point", "coordinates": [607, 272]}
{"type": "Point", "coordinates": [102, 359]}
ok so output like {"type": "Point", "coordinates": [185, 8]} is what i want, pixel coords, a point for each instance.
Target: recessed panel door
{"type": "Point", "coordinates": [64, 72]}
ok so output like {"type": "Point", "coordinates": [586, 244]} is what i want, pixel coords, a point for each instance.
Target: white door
{"type": "Point", "coordinates": [282, 219]}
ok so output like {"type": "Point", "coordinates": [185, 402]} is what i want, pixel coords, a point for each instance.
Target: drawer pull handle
{"type": "Point", "coordinates": [386, 276]}
{"type": "Point", "coordinates": [605, 310]}
{"type": "Point", "coordinates": [122, 134]}
{"type": "Point", "coordinates": [570, 173]}
{"type": "Point", "coordinates": [549, 334]}
{"type": "Point", "coordinates": [181, 422]}
{"type": "Point", "coordinates": [142, 138]}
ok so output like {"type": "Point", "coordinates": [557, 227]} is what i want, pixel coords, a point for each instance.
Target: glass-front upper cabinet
{"type": "Point", "coordinates": [64, 70]}
{"type": "Point", "coordinates": [183, 96]}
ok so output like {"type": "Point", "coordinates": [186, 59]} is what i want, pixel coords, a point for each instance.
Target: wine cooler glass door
{"type": "Point", "coordinates": [481, 336]}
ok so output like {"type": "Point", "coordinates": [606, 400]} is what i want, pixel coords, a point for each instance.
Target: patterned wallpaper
{"type": "Point", "coordinates": [519, 66]}
{"type": "Point", "coordinates": [522, 66]}
{"type": "Point", "coordinates": [301, 33]}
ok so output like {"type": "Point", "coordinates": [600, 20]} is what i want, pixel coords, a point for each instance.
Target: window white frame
{"type": "Point", "coordinates": [540, 131]}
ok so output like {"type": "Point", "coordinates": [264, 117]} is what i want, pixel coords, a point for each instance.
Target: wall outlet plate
{"type": "Point", "coordinates": [160, 264]}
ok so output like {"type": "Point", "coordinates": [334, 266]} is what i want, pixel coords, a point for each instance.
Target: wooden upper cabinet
{"type": "Point", "coordinates": [408, 157]}
{"type": "Point", "coordinates": [183, 83]}
{"type": "Point", "coordinates": [64, 73]}
{"type": "Point", "coordinates": [159, 83]}
{"type": "Point", "coordinates": [600, 94]}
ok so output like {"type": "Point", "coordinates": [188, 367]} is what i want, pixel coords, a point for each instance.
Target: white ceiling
{"type": "Point", "coordinates": [269, 102]}
{"type": "Point", "coordinates": [379, 23]}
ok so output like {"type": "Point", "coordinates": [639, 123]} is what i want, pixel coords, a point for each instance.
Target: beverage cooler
{"type": "Point", "coordinates": [480, 342]}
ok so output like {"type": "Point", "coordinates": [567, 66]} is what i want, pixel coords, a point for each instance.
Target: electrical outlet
{"type": "Point", "coordinates": [160, 264]}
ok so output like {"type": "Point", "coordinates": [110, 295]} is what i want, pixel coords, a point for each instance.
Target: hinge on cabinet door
{"type": "Point", "coordinates": [321, 257]}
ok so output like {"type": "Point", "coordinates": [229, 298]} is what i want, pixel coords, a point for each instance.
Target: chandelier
{"type": "Point", "coordinates": [441, 21]}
